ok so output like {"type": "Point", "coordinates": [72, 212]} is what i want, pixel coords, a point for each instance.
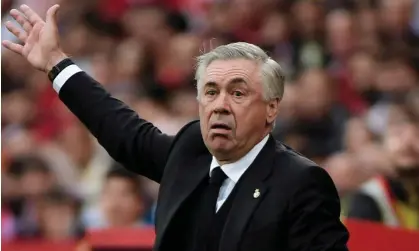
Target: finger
{"type": "Point", "coordinates": [17, 48]}
{"type": "Point", "coordinates": [33, 37]}
{"type": "Point", "coordinates": [21, 19]}
{"type": "Point", "coordinates": [20, 34]}
{"type": "Point", "coordinates": [31, 15]}
{"type": "Point", "coordinates": [51, 18]}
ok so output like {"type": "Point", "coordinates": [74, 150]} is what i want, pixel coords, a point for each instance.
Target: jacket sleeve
{"type": "Point", "coordinates": [130, 140]}
{"type": "Point", "coordinates": [315, 214]}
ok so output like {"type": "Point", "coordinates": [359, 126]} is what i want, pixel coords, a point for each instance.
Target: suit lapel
{"type": "Point", "coordinates": [186, 181]}
{"type": "Point", "coordinates": [251, 191]}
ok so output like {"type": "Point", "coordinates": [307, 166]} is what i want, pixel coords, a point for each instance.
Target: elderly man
{"type": "Point", "coordinates": [225, 183]}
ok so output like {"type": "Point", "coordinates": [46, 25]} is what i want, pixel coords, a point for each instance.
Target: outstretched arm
{"type": "Point", "coordinates": [130, 140]}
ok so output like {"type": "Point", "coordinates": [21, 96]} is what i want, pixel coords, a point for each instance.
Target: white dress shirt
{"type": "Point", "coordinates": [64, 75]}
{"type": "Point", "coordinates": [233, 170]}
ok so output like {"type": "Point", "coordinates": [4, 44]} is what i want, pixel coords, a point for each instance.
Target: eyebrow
{"type": "Point", "coordinates": [237, 80]}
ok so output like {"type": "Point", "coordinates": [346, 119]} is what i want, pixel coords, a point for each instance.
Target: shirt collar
{"type": "Point", "coordinates": [235, 170]}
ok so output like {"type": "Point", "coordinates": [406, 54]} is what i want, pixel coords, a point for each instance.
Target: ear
{"type": "Point", "coordinates": [272, 110]}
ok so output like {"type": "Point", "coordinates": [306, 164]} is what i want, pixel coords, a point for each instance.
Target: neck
{"type": "Point", "coordinates": [227, 161]}
{"type": "Point", "coordinates": [237, 155]}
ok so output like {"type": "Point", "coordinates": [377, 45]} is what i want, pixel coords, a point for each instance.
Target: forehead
{"type": "Point", "coordinates": [221, 71]}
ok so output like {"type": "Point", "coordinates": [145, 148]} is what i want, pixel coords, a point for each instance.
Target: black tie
{"type": "Point", "coordinates": [208, 208]}
{"type": "Point", "coordinates": [216, 180]}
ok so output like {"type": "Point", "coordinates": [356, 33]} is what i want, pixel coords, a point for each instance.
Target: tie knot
{"type": "Point", "coordinates": [217, 176]}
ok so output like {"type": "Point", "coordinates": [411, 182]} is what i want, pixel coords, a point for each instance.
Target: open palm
{"type": "Point", "coordinates": [39, 41]}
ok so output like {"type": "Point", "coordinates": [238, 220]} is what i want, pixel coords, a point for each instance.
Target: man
{"type": "Point", "coordinates": [393, 197]}
{"type": "Point", "coordinates": [58, 216]}
{"type": "Point", "coordinates": [121, 203]}
{"type": "Point", "coordinates": [225, 184]}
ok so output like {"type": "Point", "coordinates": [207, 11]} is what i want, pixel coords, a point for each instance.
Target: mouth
{"type": "Point", "coordinates": [220, 126]}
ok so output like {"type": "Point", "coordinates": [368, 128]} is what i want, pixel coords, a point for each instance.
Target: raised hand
{"type": "Point", "coordinates": [39, 39]}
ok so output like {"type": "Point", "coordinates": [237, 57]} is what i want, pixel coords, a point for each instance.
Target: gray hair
{"type": "Point", "coordinates": [273, 79]}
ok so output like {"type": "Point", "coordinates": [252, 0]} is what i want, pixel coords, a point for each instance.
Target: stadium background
{"type": "Point", "coordinates": [352, 70]}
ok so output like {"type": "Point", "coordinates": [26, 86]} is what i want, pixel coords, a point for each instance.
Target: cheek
{"type": "Point", "coordinates": [201, 110]}
{"type": "Point", "coordinates": [205, 110]}
{"type": "Point", "coordinates": [203, 118]}
{"type": "Point", "coordinates": [249, 118]}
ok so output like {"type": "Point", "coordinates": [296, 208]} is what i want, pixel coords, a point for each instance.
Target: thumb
{"type": "Point", "coordinates": [51, 17]}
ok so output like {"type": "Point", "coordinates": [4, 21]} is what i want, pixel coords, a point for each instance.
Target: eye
{"type": "Point", "coordinates": [210, 92]}
{"type": "Point", "coordinates": [238, 93]}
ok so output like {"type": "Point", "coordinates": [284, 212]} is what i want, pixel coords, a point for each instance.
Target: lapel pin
{"type": "Point", "coordinates": [256, 194]}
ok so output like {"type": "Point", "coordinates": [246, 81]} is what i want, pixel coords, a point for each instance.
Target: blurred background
{"type": "Point", "coordinates": [351, 103]}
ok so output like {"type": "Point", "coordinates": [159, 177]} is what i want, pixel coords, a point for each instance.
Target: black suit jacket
{"type": "Point", "coordinates": [298, 207]}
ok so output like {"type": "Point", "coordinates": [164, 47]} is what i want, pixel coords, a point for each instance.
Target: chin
{"type": "Point", "coordinates": [220, 144]}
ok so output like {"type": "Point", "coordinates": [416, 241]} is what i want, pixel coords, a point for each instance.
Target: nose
{"type": "Point", "coordinates": [222, 105]}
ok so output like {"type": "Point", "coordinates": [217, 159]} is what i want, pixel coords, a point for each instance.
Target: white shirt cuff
{"type": "Point", "coordinates": [64, 75]}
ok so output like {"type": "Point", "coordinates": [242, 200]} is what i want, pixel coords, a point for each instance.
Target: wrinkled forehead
{"type": "Point", "coordinates": [222, 72]}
